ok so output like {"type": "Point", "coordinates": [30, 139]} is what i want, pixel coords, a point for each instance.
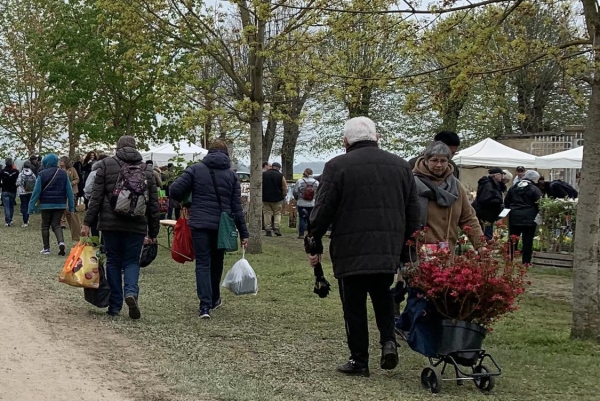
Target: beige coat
{"type": "Point", "coordinates": [444, 222]}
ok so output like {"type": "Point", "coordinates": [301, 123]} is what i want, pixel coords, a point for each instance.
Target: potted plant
{"type": "Point", "coordinates": [465, 294]}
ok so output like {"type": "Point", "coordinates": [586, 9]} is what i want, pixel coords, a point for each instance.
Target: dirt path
{"type": "Point", "coordinates": [37, 363]}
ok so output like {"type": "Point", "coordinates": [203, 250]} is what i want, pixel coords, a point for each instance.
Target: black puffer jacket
{"type": "Point", "coordinates": [489, 200]}
{"type": "Point", "coordinates": [522, 201]}
{"type": "Point", "coordinates": [370, 197]}
{"type": "Point", "coordinates": [205, 211]}
{"type": "Point", "coordinates": [104, 183]}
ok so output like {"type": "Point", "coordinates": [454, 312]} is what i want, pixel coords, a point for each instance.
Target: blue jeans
{"type": "Point", "coordinates": [25, 198]}
{"type": "Point", "coordinates": [303, 216]}
{"type": "Point", "coordinates": [123, 250]}
{"type": "Point", "coordinates": [209, 266]}
{"type": "Point", "coordinates": [488, 230]}
{"type": "Point", "coordinates": [8, 198]}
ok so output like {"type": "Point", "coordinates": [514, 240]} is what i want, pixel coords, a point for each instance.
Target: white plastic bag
{"type": "Point", "coordinates": [241, 279]}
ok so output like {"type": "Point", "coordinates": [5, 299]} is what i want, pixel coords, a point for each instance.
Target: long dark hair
{"type": "Point", "coordinates": [89, 156]}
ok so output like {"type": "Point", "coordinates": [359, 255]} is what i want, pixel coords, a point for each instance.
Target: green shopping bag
{"type": "Point", "coordinates": [227, 238]}
{"type": "Point", "coordinates": [228, 235]}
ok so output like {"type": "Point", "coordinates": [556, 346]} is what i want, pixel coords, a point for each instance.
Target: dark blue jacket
{"type": "Point", "coordinates": [53, 191]}
{"type": "Point", "coordinates": [205, 211]}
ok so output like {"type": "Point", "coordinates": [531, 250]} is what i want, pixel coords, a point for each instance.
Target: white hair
{"type": "Point", "coordinates": [507, 175]}
{"type": "Point", "coordinates": [532, 175]}
{"type": "Point", "coordinates": [360, 129]}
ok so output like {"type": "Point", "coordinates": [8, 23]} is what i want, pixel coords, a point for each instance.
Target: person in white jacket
{"type": "Point", "coordinates": [304, 192]}
{"type": "Point", "coordinates": [25, 185]}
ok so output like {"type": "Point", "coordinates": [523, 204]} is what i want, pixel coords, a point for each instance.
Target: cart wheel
{"type": "Point", "coordinates": [431, 379]}
{"type": "Point", "coordinates": [484, 383]}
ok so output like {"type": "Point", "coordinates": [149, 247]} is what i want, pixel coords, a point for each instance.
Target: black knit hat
{"type": "Point", "coordinates": [448, 137]}
{"type": "Point", "coordinates": [495, 170]}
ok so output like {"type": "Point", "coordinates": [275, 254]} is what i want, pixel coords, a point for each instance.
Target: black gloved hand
{"type": "Point", "coordinates": [312, 245]}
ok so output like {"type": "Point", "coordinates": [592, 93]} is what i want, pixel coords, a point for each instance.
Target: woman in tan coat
{"type": "Point", "coordinates": [68, 217]}
{"type": "Point", "coordinates": [444, 202]}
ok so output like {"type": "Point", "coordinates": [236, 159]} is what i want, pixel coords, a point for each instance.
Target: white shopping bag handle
{"type": "Point", "coordinates": [243, 253]}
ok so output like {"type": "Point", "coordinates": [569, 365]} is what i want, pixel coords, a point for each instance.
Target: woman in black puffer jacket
{"type": "Point", "coordinates": [522, 201]}
{"type": "Point", "coordinates": [204, 218]}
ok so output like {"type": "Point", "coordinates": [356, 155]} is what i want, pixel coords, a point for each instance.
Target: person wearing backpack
{"type": "Point", "coordinates": [53, 191]}
{"type": "Point", "coordinates": [124, 202]}
{"type": "Point", "coordinates": [26, 185]}
{"type": "Point", "coordinates": [304, 193]}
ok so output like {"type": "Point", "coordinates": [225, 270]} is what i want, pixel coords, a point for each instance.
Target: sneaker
{"type": "Point", "coordinates": [24, 225]}
{"type": "Point", "coordinates": [217, 304]}
{"type": "Point", "coordinates": [7, 225]}
{"type": "Point", "coordinates": [389, 355]}
{"type": "Point", "coordinates": [134, 310]}
{"type": "Point", "coordinates": [351, 368]}
{"type": "Point", "coordinates": [61, 249]}
{"type": "Point", "coordinates": [204, 313]}
{"type": "Point", "coordinates": [45, 251]}
{"type": "Point", "coordinates": [269, 233]}
{"type": "Point", "coordinates": [277, 232]}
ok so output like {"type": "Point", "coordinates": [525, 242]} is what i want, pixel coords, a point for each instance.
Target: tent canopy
{"type": "Point", "coordinates": [490, 153]}
{"type": "Point", "coordinates": [164, 154]}
{"type": "Point", "coordinates": [566, 159]}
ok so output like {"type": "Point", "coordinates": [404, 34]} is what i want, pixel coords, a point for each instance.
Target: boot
{"type": "Point", "coordinates": [389, 355]}
{"type": "Point", "coordinates": [277, 232]}
{"type": "Point", "coordinates": [269, 233]}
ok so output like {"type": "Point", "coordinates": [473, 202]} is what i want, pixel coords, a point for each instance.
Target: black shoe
{"type": "Point", "coordinates": [134, 310]}
{"type": "Point", "coordinates": [61, 251]}
{"type": "Point", "coordinates": [389, 355]}
{"type": "Point", "coordinates": [204, 312]}
{"type": "Point", "coordinates": [112, 314]}
{"type": "Point", "coordinates": [277, 232]}
{"type": "Point", "coordinates": [350, 368]}
{"type": "Point", "coordinates": [269, 234]}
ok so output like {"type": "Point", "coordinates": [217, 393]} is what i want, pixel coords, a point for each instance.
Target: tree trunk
{"type": "Point", "coordinates": [361, 105]}
{"type": "Point", "coordinates": [255, 206]}
{"type": "Point", "coordinates": [291, 130]}
{"type": "Point", "coordinates": [72, 134]}
{"type": "Point", "coordinates": [269, 138]}
{"type": "Point", "coordinates": [452, 110]}
{"type": "Point", "coordinates": [586, 297]}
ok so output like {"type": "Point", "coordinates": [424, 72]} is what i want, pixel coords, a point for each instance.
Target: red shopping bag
{"type": "Point", "coordinates": [182, 249]}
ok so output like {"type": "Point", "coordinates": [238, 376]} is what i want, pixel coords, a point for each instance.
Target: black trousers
{"type": "Point", "coordinates": [528, 232]}
{"type": "Point", "coordinates": [51, 218]}
{"type": "Point", "coordinates": [353, 292]}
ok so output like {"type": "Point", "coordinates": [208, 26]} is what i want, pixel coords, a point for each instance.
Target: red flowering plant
{"type": "Point", "coordinates": [477, 287]}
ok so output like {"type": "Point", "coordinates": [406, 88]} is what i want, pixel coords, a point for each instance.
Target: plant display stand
{"type": "Point", "coordinates": [548, 259]}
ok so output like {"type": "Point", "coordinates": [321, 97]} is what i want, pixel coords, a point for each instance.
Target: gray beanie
{"type": "Point", "coordinates": [126, 141]}
{"type": "Point", "coordinates": [532, 175]}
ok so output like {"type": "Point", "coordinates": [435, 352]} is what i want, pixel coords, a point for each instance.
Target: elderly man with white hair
{"type": "Point", "coordinates": [370, 197]}
{"type": "Point", "coordinates": [522, 200]}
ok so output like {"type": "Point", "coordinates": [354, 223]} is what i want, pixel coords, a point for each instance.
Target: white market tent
{"type": "Point", "coordinates": [490, 153]}
{"type": "Point", "coordinates": [164, 154]}
{"type": "Point", "coordinates": [566, 159]}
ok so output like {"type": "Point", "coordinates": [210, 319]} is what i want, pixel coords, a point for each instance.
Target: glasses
{"type": "Point", "coordinates": [435, 161]}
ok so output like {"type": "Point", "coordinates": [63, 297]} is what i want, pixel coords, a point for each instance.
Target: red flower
{"type": "Point", "coordinates": [470, 287]}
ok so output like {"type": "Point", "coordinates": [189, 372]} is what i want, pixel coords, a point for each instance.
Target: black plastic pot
{"type": "Point", "coordinates": [458, 336]}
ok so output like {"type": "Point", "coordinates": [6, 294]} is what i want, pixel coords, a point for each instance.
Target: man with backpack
{"type": "Point", "coordinates": [304, 193]}
{"type": "Point", "coordinates": [26, 185]}
{"type": "Point", "coordinates": [124, 201]}
{"type": "Point", "coordinates": [274, 192]}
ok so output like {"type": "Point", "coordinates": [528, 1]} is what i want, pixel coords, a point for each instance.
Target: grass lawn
{"type": "Point", "coordinates": [285, 343]}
